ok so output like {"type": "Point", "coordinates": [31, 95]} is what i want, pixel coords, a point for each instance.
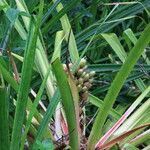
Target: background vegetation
{"type": "Point", "coordinates": [74, 74]}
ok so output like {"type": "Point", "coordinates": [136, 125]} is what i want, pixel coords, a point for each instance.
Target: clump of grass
{"type": "Point", "coordinates": [62, 100]}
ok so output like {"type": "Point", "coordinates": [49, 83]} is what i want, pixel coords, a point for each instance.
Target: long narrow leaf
{"type": "Point", "coordinates": [4, 129]}
{"type": "Point", "coordinates": [25, 83]}
{"type": "Point", "coordinates": [32, 112]}
{"type": "Point", "coordinates": [123, 117]}
{"type": "Point", "coordinates": [10, 80]}
{"type": "Point", "coordinates": [121, 137]}
{"type": "Point", "coordinates": [66, 28]}
{"type": "Point", "coordinates": [113, 41]}
{"type": "Point", "coordinates": [99, 103]}
{"type": "Point", "coordinates": [68, 103]}
{"type": "Point", "coordinates": [47, 116]}
{"type": "Point", "coordinates": [115, 88]}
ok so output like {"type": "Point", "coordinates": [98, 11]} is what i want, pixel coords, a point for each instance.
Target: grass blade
{"type": "Point", "coordinates": [123, 117]}
{"type": "Point", "coordinates": [25, 82]}
{"type": "Point", "coordinates": [4, 129]}
{"type": "Point", "coordinates": [115, 88]}
{"type": "Point", "coordinates": [68, 103]}
{"type": "Point", "coordinates": [121, 137]}
{"type": "Point", "coordinates": [66, 28]}
{"type": "Point", "coordinates": [136, 118]}
{"type": "Point", "coordinates": [58, 42]}
{"type": "Point", "coordinates": [114, 42]}
{"type": "Point", "coordinates": [41, 60]}
{"type": "Point", "coordinates": [141, 138]}
{"type": "Point", "coordinates": [113, 67]}
{"type": "Point", "coordinates": [47, 116]}
{"type": "Point", "coordinates": [99, 103]}
{"type": "Point", "coordinates": [32, 112]}
{"type": "Point", "coordinates": [10, 80]}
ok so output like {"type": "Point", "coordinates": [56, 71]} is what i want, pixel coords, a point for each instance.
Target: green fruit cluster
{"type": "Point", "coordinates": [82, 77]}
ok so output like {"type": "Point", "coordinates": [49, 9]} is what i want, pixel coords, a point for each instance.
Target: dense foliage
{"type": "Point", "coordinates": [74, 74]}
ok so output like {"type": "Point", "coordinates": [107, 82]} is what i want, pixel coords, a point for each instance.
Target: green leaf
{"type": "Point", "coordinates": [33, 110]}
{"type": "Point", "coordinates": [47, 116]}
{"type": "Point", "coordinates": [99, 103]}
{"type": "Point", "coordinates": [114, 67]}
{"type": "Point", "coordinates": [41, 60]}
{"type": "Point", "coordinates": [57, 48]}
{"type": "Point", "coordinates": [4, 125]}
{"type": "Point", "coordinates": [130, 147]}
{"type": "Point", "coordinates": [61, 13]}
{"type": "Point", "coordinates": [113, 41]}
{"type": "Point", "coordinates": [2, 6]}
{"type": "Point", "coordinates": [116, 86]}
{"type": "Point", "coordinates": [10, 80]}
{"type": "Point", "coordinates": [128, 33]}
{"type": "Point", "coordinates": [66, 28]}
{"type": "Point", "coordinates": [68, 103]}
{"type": "Point", "coordinates": [24, 86]}
{"type": "Point", "coordinates": [44, 145]}
{"type": "Point", "coordinates": [12, 14]}
{"type": "Point", "coordinates": [122, 12]}
{"type": "Point", "coordinates": [136, 116]}
{"type": "Point", "coordinates": [48, 13]}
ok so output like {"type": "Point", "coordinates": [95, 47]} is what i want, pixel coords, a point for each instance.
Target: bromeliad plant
{"type": "Point", "coordinates": [62, 120]}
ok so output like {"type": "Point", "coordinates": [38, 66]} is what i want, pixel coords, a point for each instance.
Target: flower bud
{"type": "Point", "coordinates": [82, 63]}
{"type": "Point", "coordinates": [85, 67]}
{"type": "Point", "coordinates": [83, 74]}
{"type": "Point", "coordinates": [84, 89]}
{"type": "Point", "coordinates": [86, 77]}
{"type": "Point", "coordinates": [80, 80]}
{"type": "Point", "coordinates": [87, 84]}
{"type": "Point", "coordinates": [70, 65]}
{"type": "Point", "coordinates": [85, 95]}
{"type": "Point", "coordinates": [65, 67]}
{"type": "Point", "coordinates": [91, 80]}
{"type": "Point", "coordinates": [80, 72]}
{"type": "Point", "coordinates": [76, 82]}
{"type": "Point", "coordinates": [92, 73]}
{"type": "Point", "coordinates": [79, 87]}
